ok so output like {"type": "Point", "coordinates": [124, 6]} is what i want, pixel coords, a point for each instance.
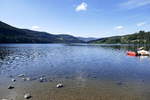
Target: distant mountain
{"type": "Point", "coordinates": [10, 34]}
{"type": "Point", "coordinates": [86, 39]}
{"type": "Point", "coordinates": [137, 38]}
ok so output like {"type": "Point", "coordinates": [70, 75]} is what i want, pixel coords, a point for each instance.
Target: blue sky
{"type": "Point", "coordinates": [86, 18]}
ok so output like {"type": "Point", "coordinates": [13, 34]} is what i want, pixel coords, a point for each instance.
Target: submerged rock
{"type": "Point", "coordinates": [13, 80]}
{"type": "Point", "coordinates": [27, 96]}
{"type": "Point", "coordinates": [28, 78]}
{"type": "Point", "coordinates": [24, 79]}
{"type": "Point", "coordinates": [4, 99]}
{"type": "Point", "coordinates": [21, 75]}
{"type": "Point", "coordinates": [42, 79]}
{"type": "Point", "coordinates": [11, 87]}
{"type": "Point", "coordinates": [59, 85]}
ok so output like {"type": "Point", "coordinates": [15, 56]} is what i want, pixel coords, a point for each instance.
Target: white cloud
{"type": "Point", "coordinates": [131, 4]}
{"type": "Point", "coordinates": [35, 28]}
{"type": "Point", "coordinates": [119, 28]}
{"type": "Point", "coordinates": [141, 24]}
{"type": "Point", "coordinates": [82, 7]}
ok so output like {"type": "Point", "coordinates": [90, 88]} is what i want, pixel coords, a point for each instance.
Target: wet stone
{"type": "Point", "coordinates": [13, 80]}
{"type": "Point", "coordinates": [42, 79]}
{"type": "Point", "coordinates": [11, 87]}
{"type": "Point", "coordinates": [24, 79]}
{"type": "Point", "coordinates": [59, 85]}
{"type": "Point", "coordinates": [4, 99]}
{"type": "Point", "coordinates": [27, 96]}
{"type": "Point", "coordinates": [21, 75]}
{"type": "Point", "coordinates": [28, 78]}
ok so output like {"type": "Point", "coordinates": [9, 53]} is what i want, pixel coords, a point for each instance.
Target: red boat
{"type": "Point", "coordinates": [140, 52]}
{"type": "Point", "coordinates": [131, 53]}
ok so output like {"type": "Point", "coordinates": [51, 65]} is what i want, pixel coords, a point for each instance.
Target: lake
{"type": "Point", "coordinates": [87, 71]}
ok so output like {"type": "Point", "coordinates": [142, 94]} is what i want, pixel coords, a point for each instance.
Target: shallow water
{"type": "Point", "coordinates": [88, 72]}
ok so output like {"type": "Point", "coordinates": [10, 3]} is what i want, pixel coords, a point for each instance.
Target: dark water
{"type": "Point", "coordinates": [74, 62]}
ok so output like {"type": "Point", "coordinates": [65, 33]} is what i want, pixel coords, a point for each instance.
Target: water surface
{"type": "Point", "coordinates": [98, 72]}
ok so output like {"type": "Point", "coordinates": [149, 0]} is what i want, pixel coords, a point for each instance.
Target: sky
{"type": "Point", "coordinates": [85, 18]}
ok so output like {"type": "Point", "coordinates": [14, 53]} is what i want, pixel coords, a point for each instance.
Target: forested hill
{"type": "Point", "coordinates": [141, 37]}
{"type": "Point", "coordinates": [10, 34]}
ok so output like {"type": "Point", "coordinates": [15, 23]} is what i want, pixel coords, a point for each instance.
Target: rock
{"type": "Point", "coordinates": [21, 75]}
{"type": "Point", "coordinates": [16, 58]}
{"type": "Point", "coordinates": [42, 79]}
{"type": "Point", "coordinates": [24, 79]}
{"type": "Point", "coordinates": [28, 78]}
{"type": "Point", "coordinates": [59, 85]}
{"type": "Point", "coordinates": [13, 80]}
{"type": "Point", "coordinates": [4, 99]}
{"type": "Point", "coordinates": [27, 96]}
{"type": "Point", "coordinates": [11, 87]}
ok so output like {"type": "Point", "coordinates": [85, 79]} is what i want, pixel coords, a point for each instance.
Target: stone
{"type": "Point", "coordinates": [21, 75]}
{"type": "Point", "coordinates": [59, 85]}
{"type": "Point", "coordinates": [11, 87]}
{"type": "Point", "coordinates": [13, 80]}
{"type": "Point", "coordinates": [24, 79]}
{"type": "Point", "coordinates": [28, 78]}
{"type": "Point", "coordinates": [4, 99]}
{"type": "Point", "coordinates": [27, 96]}
{"type": "Point", "coordinates": [42, 79]}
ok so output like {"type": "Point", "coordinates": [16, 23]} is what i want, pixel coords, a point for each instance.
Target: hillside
{"type": "Point", "coordinates": [137, 38]}
{"type": "Point", "coordinates": [87, 39]}
{"type": "Point", "coordinates": [10, 34]}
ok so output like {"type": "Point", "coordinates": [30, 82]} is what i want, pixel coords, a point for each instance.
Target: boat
{"type": "Point", "coordinates": [132, 53]}
{"type": "Point", "coordinates": [143, 53]}
{"type": "Point", "coordinates": [140, 52]}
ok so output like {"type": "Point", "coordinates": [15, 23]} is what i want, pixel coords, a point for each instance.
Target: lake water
{"type": "Point", "coordinates": [88, 72]}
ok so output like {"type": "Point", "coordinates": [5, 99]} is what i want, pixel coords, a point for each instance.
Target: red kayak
{"type": "Point", "coordinates": [131, 53]}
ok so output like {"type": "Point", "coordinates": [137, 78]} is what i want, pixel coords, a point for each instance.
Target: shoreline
{"type": "Point", "coordinates": [73, 90]}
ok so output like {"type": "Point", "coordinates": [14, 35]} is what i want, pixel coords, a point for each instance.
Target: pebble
{"type": "Point", "coordinates": [13, 80]}
{"type": "Point", "coordinates": [21, 75]}
{"type": "Point", "coordinates": [10, 87]}
{"type": "Point", "coordinates": [4, 99]}
{"type": "Point", "coordinates": [42, 79]}
{"type": "Point", "coordinates": [24, 79]}
{"type": "Point", "coordinates": [59, 85]}
{"type": "Point", "coordinates": [27, 96]}
{"type": "Point", "coordinates": [28, 78]}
